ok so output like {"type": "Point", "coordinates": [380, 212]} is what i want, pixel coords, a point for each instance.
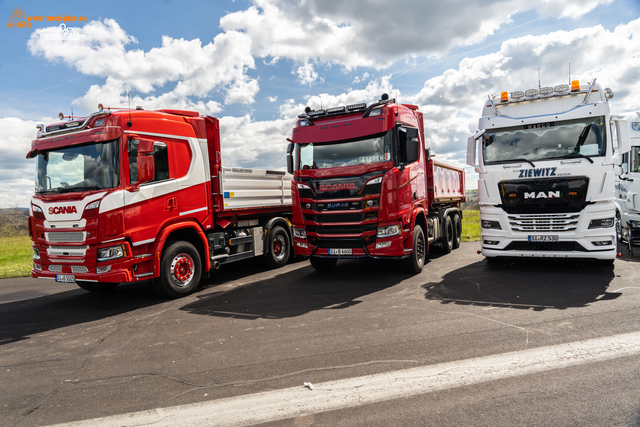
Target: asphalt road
{"type": "Point", "coordinates": [463, 343]}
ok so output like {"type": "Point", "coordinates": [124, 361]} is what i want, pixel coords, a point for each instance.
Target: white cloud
{"type": "Point", "coordinates": [362, 33]}
{"type": "Point", "coordinates": [198, 71]}
{"type": "Point", "coordinates": [452, 102]}
{"type": "Point", "coordinates": [272, 98]}
{"type": "Point", "coordinates": [16, 172]}
{"type": "Point", "coordinates": [254, 144]}
{"type": "Point", "coordinates": [307, 74]}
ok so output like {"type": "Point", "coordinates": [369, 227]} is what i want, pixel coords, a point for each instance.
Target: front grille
{"type": "Point", "coordinates": [67, 250]}
{"type": "Point", "coordinates": [557, 223]}
{"type": "Point", "coordinates": [55, 268]}
{"type": "Point", "coordinates": [66, 260]}
{"type": "Point", "coordinates": [65, 236]}
{"type": "Point", "coordinates": [345, 217]}
{"type": "Point", "coordinates": [545, 246]}
{"type": "Point", "coordinates": [341, 229]}
{"type": "Point", "coordinates": [78, 269]}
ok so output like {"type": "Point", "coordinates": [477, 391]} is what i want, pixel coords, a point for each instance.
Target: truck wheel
{"type": "Point", "coordinates": [457, 230]}
{"type": "Point", "coordinates": [415, 262]}
{"type": "Point", "coordinates": [448, 237]}
{"type": "Point", "coordinates": [97, 286]}
{"type": "Point", "coordinates": [278, 248]}
{"type": "Point", "coordinates": [180, 270]}
{"type": "Point", "coordinates": [323, 264]}
{"type": "Point", "coordinates": [619, 228]}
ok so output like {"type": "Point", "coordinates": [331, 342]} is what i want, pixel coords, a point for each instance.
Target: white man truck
{"type": "Point", "coordinates": [547, 161]}
{"type": "Point", "coordinates": [628, 189]}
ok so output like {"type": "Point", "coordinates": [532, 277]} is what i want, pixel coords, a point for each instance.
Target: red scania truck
{"type": "Point", "coordinates": [131, 195]}
{"type": "Point", "coordinates": [365, 186]}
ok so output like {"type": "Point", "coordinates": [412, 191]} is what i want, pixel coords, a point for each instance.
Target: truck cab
{"type": "Point", "coordinates": [363, 186]}
{"type": "Point", "coordinates": [628, 188]}
{"type": "Point", "coordinates": [547, 160]}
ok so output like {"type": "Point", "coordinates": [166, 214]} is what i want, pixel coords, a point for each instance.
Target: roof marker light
{"type": "Point", "coordinates": [60, 116]}
{"type": "Point", "coordinates": [356, 106]}
{"type": "Point", "coordinates": [608, 93]}
{"type": "Point", "coordinates": [561, 88]}
{"type": "Point", "coordinates": [547, 90]}
{"type": "Point", "coordinates": [335, 110]}
{"type": "Point", "coordinates": [531, 92]}
{"type": "Point", "coordinates": [575, 85]}
{"type": "Point", "coordinates": [504, 96]}
{"type": "Point", "coordinates": [517, 94]}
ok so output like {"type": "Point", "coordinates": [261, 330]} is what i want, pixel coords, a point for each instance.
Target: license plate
{"type": "Point", "coordinates": [545, 238]}
{"type": "Point", "coordinates": [340, 251]}
{"type": "Point", "coordinates": [66, 278]}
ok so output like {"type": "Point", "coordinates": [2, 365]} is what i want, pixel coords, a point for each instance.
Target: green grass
{"type": "Point", "coordinates": [470, 226]}
{"type": "Point", "coordinates": [15, 257]}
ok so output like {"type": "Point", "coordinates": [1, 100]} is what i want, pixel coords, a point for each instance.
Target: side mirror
{"type": "Point", "coordinates": [617, 171]}
{"type": "Point", "coordinates": [146, 168]}
{"type": "Point", "coordinates": [290, 158]}
{"type": "Point", "coordinates": [409, 145]}
{"type": "Point", "coordinates": [145, 146]}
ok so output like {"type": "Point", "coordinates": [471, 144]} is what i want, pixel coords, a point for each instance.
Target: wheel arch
{"type": "Point", "coordinates": [188, 232]}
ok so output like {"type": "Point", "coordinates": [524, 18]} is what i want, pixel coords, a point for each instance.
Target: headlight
{"type": "Point", "coordinates": [110, 253]}
{"type": "Point", "coordinates": [36, 208]}
{"type": "Point", "coordinates": [601, 223]}
{"type": "Point", "coordinates": [300, 233]}
{"type": "Point", "coordinates": [634, 224]}
{"type": "Point", "coordinates": [377, 180]}
{"type": "Point", "coordinates": [388, 231]}
{"type": "Point", "coordinates": [36, 254]}
{"type": "Point", "coordinates": [490, 224]}
{"type": "Point", "coordinates": [93, 205]}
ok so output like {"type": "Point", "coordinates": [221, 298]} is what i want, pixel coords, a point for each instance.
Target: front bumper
{"type": "Point", "coordinates": [578, 242]}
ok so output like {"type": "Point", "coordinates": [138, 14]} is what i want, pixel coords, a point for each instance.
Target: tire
{"type": "Point", "coordinates": [97, 287]}
{"type": "Point", "coordinates": [180, 270]}
{"type": "Point", "coordinates": [323, 264]}
{"type": "Point", "coordinates": [619, 227]}
{"type": "Point", "coordinates": [457, 230]}
{"type": "Point", "coordinates": [278, 248]}
{"type": "Point", "coordinates": [448, 237]}
{"type": "Point", "coordinates": [415, 262]}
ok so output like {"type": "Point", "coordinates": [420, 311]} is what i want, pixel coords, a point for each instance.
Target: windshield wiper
{"type": "Point", "coordinates": [514, 160]}
{"type": "Point", "coordinates": [72, 189]}
{"type": "Point", "coordinates": [578, 154]}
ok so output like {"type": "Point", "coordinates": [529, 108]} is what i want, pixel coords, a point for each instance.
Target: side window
{"type": "Point", "coordinates": [160, 157]}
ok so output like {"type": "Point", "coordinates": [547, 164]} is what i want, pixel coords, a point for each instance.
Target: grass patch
{"type": "Point", "coordinates": [470, 226]}
{"type": "Point", "coordinates": [15, 257]}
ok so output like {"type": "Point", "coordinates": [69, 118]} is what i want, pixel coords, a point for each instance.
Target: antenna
{"type": "Point", "coordinates": [569, 74]}
{"type": "Point", "coordinates": [129, 96]}
{"type": "Point", "coordinates": [539, 85]}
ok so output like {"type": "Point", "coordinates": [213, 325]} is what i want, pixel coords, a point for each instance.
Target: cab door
{"type": "Point", "coordinates": [150, 205]}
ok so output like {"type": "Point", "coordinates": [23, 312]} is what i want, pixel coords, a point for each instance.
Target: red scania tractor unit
{"type": "Point", "coordinates": [130, 195]}
{"type": "Point", "coordinates": [365, 186]}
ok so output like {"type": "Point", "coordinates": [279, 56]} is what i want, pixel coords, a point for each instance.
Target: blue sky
{"type": "Point", "coordinates": [257, 64]}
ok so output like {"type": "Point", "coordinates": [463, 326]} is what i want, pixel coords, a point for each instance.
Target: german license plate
{"type": "Point", "coordinates": [545, 238]}
{"type": "Point", "coordinates": [340, 251]}
{"type": "Point", "coordinates": [66, 278]}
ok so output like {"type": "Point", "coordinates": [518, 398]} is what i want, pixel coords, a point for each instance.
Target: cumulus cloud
{"type": "Point", "coordinates": [196, 71]}
{"type": "Point", "coordinates": [254, 144]}
{"type": "Point", "coordinates": [16, 172]}
{"type": "Point", "coordinates": [362, 33]}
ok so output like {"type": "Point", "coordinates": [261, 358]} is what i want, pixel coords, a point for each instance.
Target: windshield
{"type": "Point", "coordinates": [635, 159]}
{"type": "Point", "coordinates": [78, 168]}
{"type": "Point", "coordinates": [545, 141]}
{"type": "Point", "coordinates": [352, 152]}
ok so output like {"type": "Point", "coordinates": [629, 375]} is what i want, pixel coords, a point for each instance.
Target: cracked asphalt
{"type": "Point", "coordinates": [69, 355]}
